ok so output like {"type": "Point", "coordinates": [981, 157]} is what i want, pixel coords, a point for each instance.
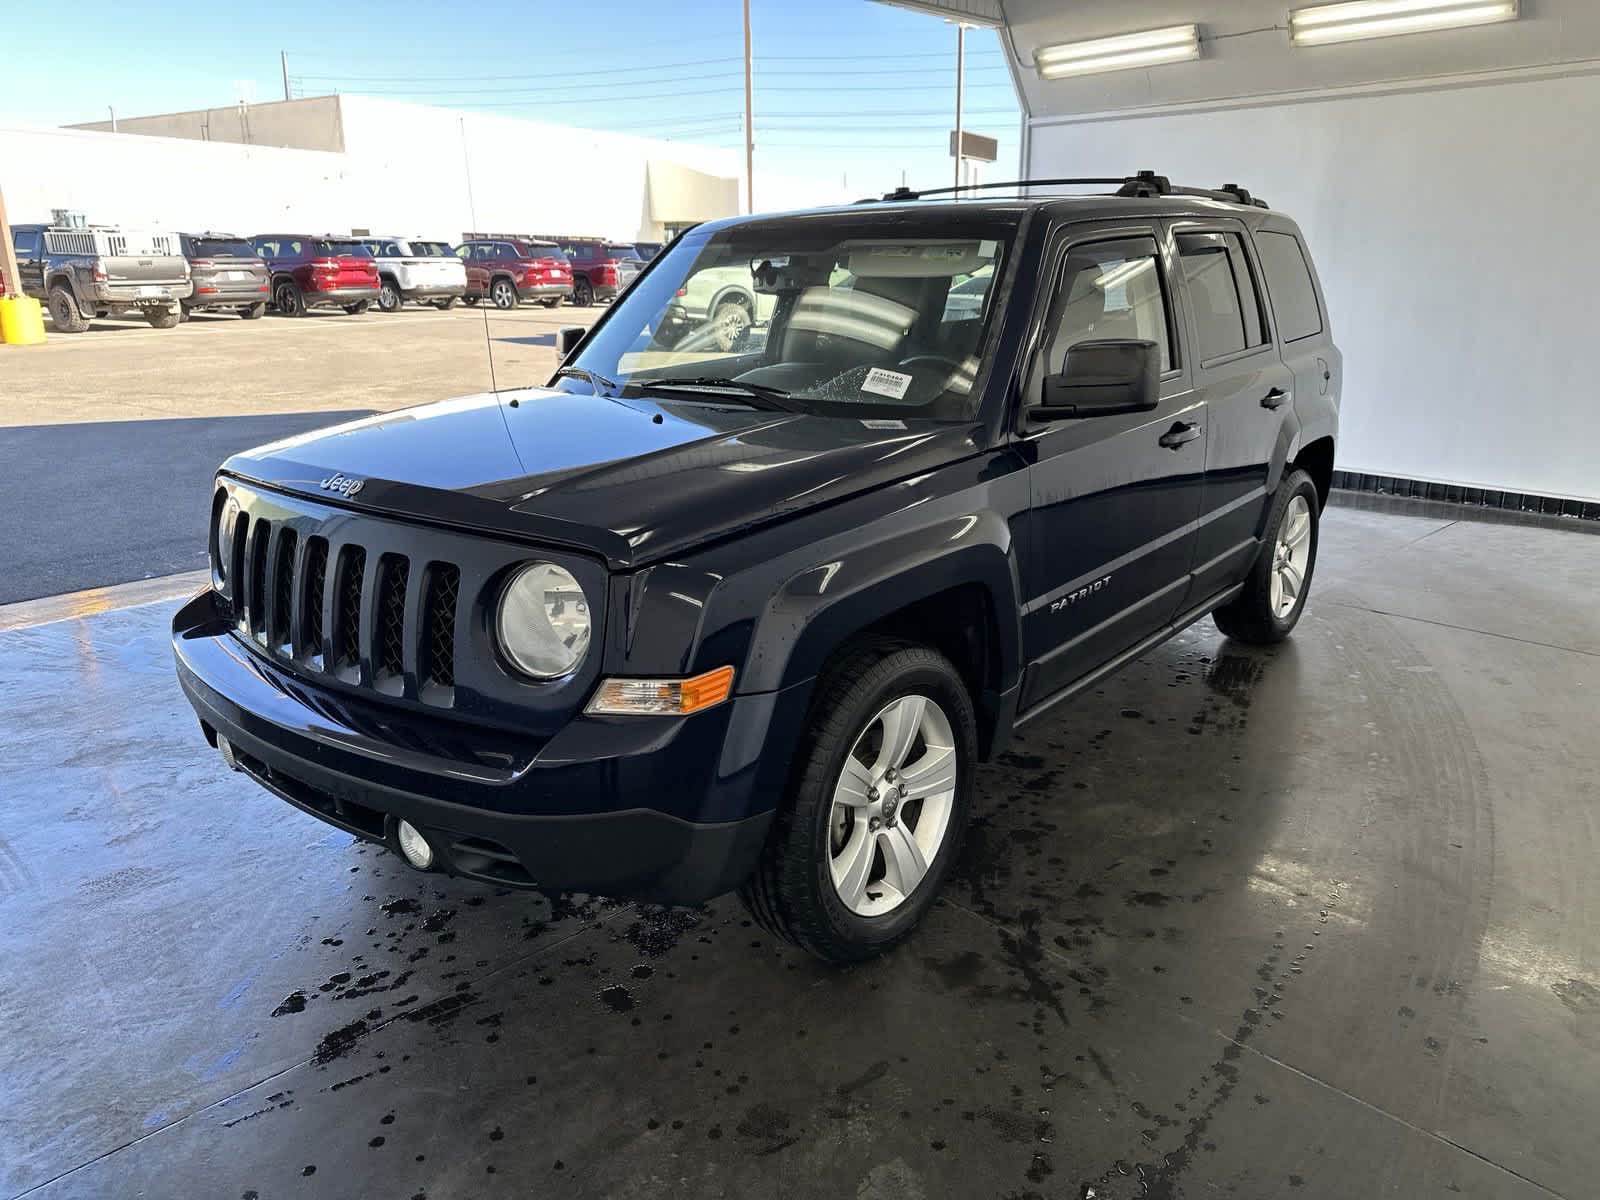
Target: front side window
{"type": "Point", "coordinates": [1109, 291]}
{"type": "Point", "coordinates": [464, 252]}
{"type": "Point", "coordinates": [822, 316]}
{"type": "Point", "coordinates": [1227, 315]}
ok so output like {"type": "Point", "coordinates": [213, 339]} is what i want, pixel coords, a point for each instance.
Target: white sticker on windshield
{"type": "Point", "coordinates": [886, 383]}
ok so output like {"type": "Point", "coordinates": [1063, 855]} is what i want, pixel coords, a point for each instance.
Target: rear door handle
{"type": "Point", "coordinates": [1183, 431]}
{"type": "Point", "coordinates": [1276, 398]}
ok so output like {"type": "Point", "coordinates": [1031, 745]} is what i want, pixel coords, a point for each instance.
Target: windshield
{"type": "Point", "coordinates": [822, 316]}
{"type": "Point", "coordinates": [430, 250]}
{"type": "Point", "coordinates": [222, 248]}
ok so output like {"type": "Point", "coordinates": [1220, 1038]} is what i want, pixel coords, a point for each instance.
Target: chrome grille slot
{"type": "Point", "coordinates": [256, 584]}
{"type": "Point", "coordinates": [438, 673]}
{"type": "Point", "coordinates": [347, 612]}
{"type": "Point", "coordinates": [389, 640]}
{"type": "Point", "coordinates": [313, 647]}
{"type": "Point", "coordinates": [283, 564]}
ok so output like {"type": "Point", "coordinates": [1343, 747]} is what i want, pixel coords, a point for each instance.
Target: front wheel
{"type": "Point", "coordinates": [389, 298]}
{"type": "Point", "coordinates": [446, 304]}
{"type": "Point", "coordinates": [359, 307]}
{"type": "Point", "coordinates": [876, 808]}
{"type": "Point", "coordinates": [254, 312]}
{"type": "Point", "coordinates": [553, 302]}
{"type": "Point", "coordinates": [164, 318]}
{"type": "Point", "coordinates": [1275, 591]}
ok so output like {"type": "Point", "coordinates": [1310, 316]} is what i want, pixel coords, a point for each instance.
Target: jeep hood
{"type": "Point", "coordinates": [631, 480]}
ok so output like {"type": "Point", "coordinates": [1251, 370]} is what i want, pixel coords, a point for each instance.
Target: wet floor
{"type": "Point", "coordinates": [1322, 920]}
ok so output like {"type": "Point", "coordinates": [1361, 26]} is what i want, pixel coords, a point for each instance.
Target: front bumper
{"type": "Point", "coordinates": [588, 811]}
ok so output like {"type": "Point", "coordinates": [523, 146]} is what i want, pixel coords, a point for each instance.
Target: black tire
{"type": "Point", "coordinates": [503, 294]}
{"type": "Point", "coordinates": [389, 297]}
{"type": "Point", "coordinates": [792, 894]}
{"type": "Point", "coordinates": [582, 292]}
{"type": "Point", "coordinates": [359, 307]}
{"type": "Point", "coordinates": [1251, 616]}
{"type": "Point", "coordinates": [253, 312]}
{"type": "Point", "coordinates": [164, 318]}
{"type": "Point", "coordinates": [470, 301]}
{"type": "Point", "coordinates": [287, 298]}
{"type": "Point", "coordinates": [64, 314]}
{"type": "Point", "coordinates": [553, 302]}
{"type": "Point", "coordinates": [184, 311]}
{"type": "Point", "coordinates": [446, 304]}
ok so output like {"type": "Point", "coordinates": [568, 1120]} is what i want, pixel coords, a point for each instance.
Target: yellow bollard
{"type": "Point", "coordinates": [21, 321]}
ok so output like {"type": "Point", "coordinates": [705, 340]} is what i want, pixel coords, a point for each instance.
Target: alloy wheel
{"type": "Point", "coordinates": [503, 296]}
{"type": "Point", "coordinates": [1291, 554]}
{"type": "Point", "coordinates": [892, 806]}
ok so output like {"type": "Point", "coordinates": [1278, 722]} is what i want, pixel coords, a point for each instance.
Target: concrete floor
{"type": "Point", "coordinates": [1316, 921]}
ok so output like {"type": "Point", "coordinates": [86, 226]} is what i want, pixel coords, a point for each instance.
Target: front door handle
{"type": "Point", "coordinates": [1276, 398]}
{"type": "Point", "coordinates": [1182, 432]}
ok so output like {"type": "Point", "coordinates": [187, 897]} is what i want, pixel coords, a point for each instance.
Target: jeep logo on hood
{"type": "Point", "coordinates": [342, 485]}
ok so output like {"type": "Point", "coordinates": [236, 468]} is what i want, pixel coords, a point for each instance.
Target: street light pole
{"type": "Point", "coordinates": [283, 61]}
{"type": "Point", "coordinates": [961, 55]}
{"type": "Point", "coordinates": [749, 122]}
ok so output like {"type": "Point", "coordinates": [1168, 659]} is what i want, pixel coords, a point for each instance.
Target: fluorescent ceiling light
{"type": "Point", "coordinates": [1387, 18]}
{"type": "Point", "coordinates": [1178, 43]}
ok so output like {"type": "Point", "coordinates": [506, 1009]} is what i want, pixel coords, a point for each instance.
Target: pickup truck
{"type": "Point", "coordinates": [416, 270]}
{"type": "Point", "coordinates": [685, 621]}
{"type": "Point", "coordinates": [86, 273]}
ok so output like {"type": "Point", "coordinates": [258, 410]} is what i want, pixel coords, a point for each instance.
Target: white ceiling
{"type": "Point", "coordinates": [1246, 51]}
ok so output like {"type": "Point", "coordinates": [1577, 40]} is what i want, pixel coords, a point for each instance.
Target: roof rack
{"type": "Point", "coordinates": [1144, 184]}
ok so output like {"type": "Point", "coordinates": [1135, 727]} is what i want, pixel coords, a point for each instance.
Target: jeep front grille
{"type": "Point", "coordinates": [369, 620]}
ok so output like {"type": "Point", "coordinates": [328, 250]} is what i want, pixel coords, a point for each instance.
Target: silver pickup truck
{"type": "Point", "coordinates": [82, 274]}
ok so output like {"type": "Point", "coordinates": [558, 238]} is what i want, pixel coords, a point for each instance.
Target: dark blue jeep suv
{"type": "Point", "coordinates": [710, 613]}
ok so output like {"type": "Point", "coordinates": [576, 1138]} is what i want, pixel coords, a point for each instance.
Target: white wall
{"type": "Point", "coordinates": [1453, 235]}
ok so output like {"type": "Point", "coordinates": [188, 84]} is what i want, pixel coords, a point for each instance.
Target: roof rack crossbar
{"type": "Point", "coordinates": [1144, 184]}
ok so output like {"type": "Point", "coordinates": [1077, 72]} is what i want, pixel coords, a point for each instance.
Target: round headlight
{"type": "Point", "coordinates": [543, 624]}
{"type": "Point", "coordinates": [227, 525]}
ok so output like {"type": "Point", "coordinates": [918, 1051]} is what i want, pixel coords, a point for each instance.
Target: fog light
{"type": "Point", "coordinates": [414, 846]}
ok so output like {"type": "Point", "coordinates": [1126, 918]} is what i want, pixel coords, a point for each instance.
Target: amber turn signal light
{"type": "Point", "coordinates": [662, 697]}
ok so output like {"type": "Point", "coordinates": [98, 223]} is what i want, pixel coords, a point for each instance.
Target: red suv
{"type": "Point", "coordinates": [318, 272]}
{"type": "Point", "coordinates": [508, 270]}
{"type": "Point", "coordinates": [601, 270]}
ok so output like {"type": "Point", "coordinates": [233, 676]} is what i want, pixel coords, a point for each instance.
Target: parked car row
{"type": "Point", "coordinates": [86, 273]}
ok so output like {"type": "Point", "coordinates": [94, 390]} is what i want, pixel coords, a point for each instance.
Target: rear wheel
{"type": "Point", "coordinates": [184, 311]}
{"type": "Point", "coordinates": [389, 298]}
{"type": "Point", "coordinates": [470, 301]}
{"type": "Point", "coordinates": [287, 299]}
{"type": "Point", "coordinates": [1275, 591]}
{"type": "Point", "coordinates": [253, 312]}
{"type": "Point", "coordinates": [359, 307]}
{"type": "Point", "coordinates": [164, 318]}
{"type": "Point", "coordinates": [582, 292]}
{"type": "Point", "coordinates": [877, 805]}
{"type": "Point", "coordinates": [502, 294]}
{"type": "Point", "coordinates": [552, 302]}
{"type": "Point", "coordinates": [64, 314]}
{"type": "Point", "coordinates": [446, 304]}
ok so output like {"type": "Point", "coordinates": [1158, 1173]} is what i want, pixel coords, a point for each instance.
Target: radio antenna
{"type": "Point", "coordinates": [472, 213]}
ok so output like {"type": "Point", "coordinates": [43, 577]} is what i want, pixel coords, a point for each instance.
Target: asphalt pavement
{"type": "Point", "coordinates": [108, 502]}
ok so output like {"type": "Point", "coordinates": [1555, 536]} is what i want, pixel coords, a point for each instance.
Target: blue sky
{"type": "Point", "coordinates": [849, 88]}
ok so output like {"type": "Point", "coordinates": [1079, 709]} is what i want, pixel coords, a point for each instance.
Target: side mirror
{"type": "Point", "coordinates": [1101, 378]}
{"type": "Point", "coordinates": [567, 339]}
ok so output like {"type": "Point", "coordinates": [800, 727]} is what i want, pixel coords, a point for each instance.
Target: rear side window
{"type": "Point", "coordinates": [28, 242]}
{"type": "Point", "coordinates": [1227, 314]}
{"type": "Point", "coordinates": [1294, 300]}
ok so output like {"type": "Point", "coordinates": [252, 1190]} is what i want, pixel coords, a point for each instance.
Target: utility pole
{"type": "Point", "coordinates": [113, 113]}
{"type": "Point", "coordinates": [749, 122]}
{"type": "Point", "coordinates": [8, 254]}
{"type": "Point", "coordinates": [961, 56]}
{"type": "Point", "coordinates": [283, 61]}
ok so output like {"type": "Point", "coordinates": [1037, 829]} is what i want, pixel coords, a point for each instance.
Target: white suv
{"type": "Point", "coordinates": [417, 270]}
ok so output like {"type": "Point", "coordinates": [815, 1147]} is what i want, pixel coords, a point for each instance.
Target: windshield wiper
{"type": "Point", "coordinates": [775, 398]}
{"type": "Point", "coordinates": [593, 378]}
